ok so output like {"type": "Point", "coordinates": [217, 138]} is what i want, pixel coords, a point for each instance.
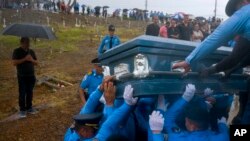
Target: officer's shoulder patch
{"type": "Point", "coordinates": [85, 77]}
{"type": "Point", "coordinates": [90, 73]}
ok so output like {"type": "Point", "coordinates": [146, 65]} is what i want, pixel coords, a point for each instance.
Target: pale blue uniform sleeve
{"type": "Point", "coordinates": [117, 41]}
{"type": "Point", "coordinates": [223, 133]}
{"type": "Point", "coordinates": [92, 102]}
{"type": "Point", "coordinates": [110, 125]}
{"type": "Point", "coordinates": [237, 24]}
{"type": "Point", "coordinates": [172, 113]}
{"type": "Point", "coordinates": [71, 136]}
{"type": "Point", "coordinates": [85, 82]}
{"type": "Point", "coordinates": [102, 45]}
{"type": "Point", "coordinates": [158, 137]}
{"type": "Point", "coordinates": [107, 111]}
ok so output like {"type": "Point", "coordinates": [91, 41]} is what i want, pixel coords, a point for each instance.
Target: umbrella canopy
{"type": "Point", "coordinates": [178, 16]}
{"type": "Point", "coordinates": [200, 18]}
{"type": "Point", "coordinates": [98, 7]}
{"type": "Point", "coordinates": [29, 30]}
{"type": "Point", "coordinates": [125, 10]}
{"type": "Point", "coordinates": [105, 6]}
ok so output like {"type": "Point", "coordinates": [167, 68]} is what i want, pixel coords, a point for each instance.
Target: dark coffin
{"type": "Point", "coordinates": [152, 74]}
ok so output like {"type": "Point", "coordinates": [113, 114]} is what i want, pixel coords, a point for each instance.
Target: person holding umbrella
{"type": "Point", "coordinates": [25, 59]}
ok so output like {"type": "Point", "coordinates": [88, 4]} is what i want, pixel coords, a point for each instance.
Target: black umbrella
{"type": "Point", "coordinates": [200, 18]}
{"type": "Point", "coordinates": [98, 7]}
{"type": "Point", "coordinates": [105, 6]}
{"type": "Point", "coordinates": [29, 30]}
{"type": "Point", "coordinates": [125, 10]}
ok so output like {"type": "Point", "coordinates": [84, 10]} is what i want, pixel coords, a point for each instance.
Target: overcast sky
{"type": "Point", "coordinates": [196, 7]}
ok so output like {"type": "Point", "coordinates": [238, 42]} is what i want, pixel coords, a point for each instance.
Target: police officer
{"type": "Point", "coordinates": [91, 80]}
{"type": "Point", "coordinates": [196, 122]}
{"type": "Point", "coordinates": [109, 41]}
{"type": "Point", "coordinates": [85, 127]}
{"type": "Point", "coordinates": [85, 124]}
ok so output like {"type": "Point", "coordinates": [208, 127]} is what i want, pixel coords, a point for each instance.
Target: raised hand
{"type": "Point", "coordinates": [128, 95]}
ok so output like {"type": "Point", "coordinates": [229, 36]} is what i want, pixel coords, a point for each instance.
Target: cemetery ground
{"type": "Point", "coordinates": [66, 58]}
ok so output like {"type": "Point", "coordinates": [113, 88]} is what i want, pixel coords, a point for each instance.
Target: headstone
{"type": "Point", "coordinates": [48, 21]}
{"type": "Point", "coordinates": [0, 15]}
{"type": "Point", "coordinates": [95, 26]}
{"type": "Point", "coordinates": [129, 24]}
{"type": "Point", "coordinates": [4, 23]}
{"type": "Point", "coordinates": [77, 25]}
{"type": "Point", "coordinates": [64, 23]}
{"type": "Point", "coordinates": [80, 22]}
{"type": "Point", "coordinates": [106, 20]}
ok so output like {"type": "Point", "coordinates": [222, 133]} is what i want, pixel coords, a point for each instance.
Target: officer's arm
{"type": "Point", "coordinates": [226, 31]}
{"type": "Point", "coordinates": [118, 41]}
{"type": "Point", "coordinates": [84, 84]}
{"type": "Point", "coordinates": [223, 128]}
{"type": "Point", "coordinates": [158, 137]}
{"type": "Point", "coordinates": [101, 46]}
{"type": "Point", "coordinates": [92, 102]}
{"type": "Point", "coordinates": [113, 121]}
{"type": "Point", "coordinates": [71, 136]}
{"type": "Point", "coordinates": [223, 134]}
{"type": "Point", "coordinates": [108, 110]}
{"type": "Point", "coordinates": [172, 113]}
{"type": "Point", "coordinates": [82, 96]}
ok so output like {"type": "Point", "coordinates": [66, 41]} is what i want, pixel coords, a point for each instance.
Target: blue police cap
{"type": "Point", "coordinates": [92, 119]}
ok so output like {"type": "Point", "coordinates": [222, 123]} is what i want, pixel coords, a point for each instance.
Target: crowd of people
{"type": "Point", "coordinates": [186, 29]}
{"type": "Point", "coordinates": [189, 116]}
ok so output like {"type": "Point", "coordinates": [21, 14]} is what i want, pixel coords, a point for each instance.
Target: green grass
{"type": "Point", "coordinates": [71, 38]}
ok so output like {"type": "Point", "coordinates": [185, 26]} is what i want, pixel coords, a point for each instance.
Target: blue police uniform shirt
{"type": "Point", "coordinates": [127, 126]}
{"type": "Point", "coordinates": [237, 24]}
{"type": "Point", "coordinates": [107, 128]}
{"type": "Point", "coordinates": [105, 44]}
{"type": "Point", "coordinates": [178, 135]}
{"type": "Point", "coordinates": [91, 81]}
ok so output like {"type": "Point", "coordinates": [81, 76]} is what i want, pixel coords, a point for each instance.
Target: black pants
{"type": "Point", "coordinates": [26, 85]}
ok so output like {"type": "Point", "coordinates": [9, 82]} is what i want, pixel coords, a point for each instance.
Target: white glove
{"type": "Point", "coordinates": [222, 120]}
{"type": "Point", "coordinates": [189, 92]}
{"type": "Point", "coordinates": [156, 121]}
{"type": "Point", "coordinates": [128, 95]}
{"type": "Point", "coordinates": [208, 92]}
